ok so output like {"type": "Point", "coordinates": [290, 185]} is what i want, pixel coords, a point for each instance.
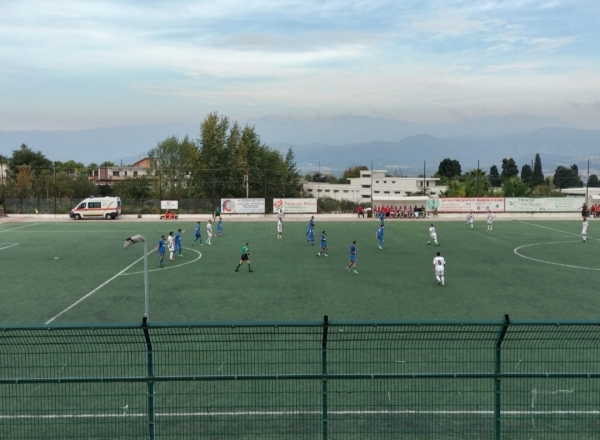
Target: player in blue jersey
{"type": "Point", "coordinates": [220, 227]}
{"type": "Point", "coordinates": [311, 237]}
{"type": "Point", "coordinates": [382, 217]}
{"type": "Point", "coordinates": [178, 242]}
{"type": "Point", "coordinates": [381, 235]}
{"type": "Point", "coordinates": [311, 227]}
{"type": "Point", "coordinates": [324, 248]}
{"type": "Point", "coordinates": [161, 251]}
{"type": "Point", "coordinates": [198, 234]}
{"type": "Point", "coordinates": [352, 257]}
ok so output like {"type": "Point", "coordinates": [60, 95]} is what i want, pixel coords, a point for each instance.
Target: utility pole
{"type": "Point", "coordinates": [371, 185]}
{"type": "Point", "coordinates": [478, 178]}
{"type": "Point", "coordinates": [587, 185]}
{"type": "Point", "coordinates": [246, 181]}
{"type": "Point", "coordinates": [54, 187]}
{"type": "Point", "coordinates": [424, 191]}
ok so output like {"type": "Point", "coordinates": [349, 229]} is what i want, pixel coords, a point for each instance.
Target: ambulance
{"type": "Point", "coordinates": [97, 207]}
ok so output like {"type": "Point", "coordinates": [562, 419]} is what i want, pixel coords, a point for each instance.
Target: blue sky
{"type": "Point", "coordinates": [80, 64]}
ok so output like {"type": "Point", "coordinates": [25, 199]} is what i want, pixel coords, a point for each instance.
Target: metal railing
{"type": "Point", "coordinates": [313, 380]}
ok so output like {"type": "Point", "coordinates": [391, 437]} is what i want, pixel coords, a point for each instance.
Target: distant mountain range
{"type": "Point", "coordinates": [340, 141]}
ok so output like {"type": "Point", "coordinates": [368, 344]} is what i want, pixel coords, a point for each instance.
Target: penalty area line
{"type": "Point", "coordinates": [9, 245]}
{"type": "Point", "coordinates": [555, 230]}
{"type": "Point", "coordinates": [18, 227]}
{"type": "Point", "coordinates": [97, 288]}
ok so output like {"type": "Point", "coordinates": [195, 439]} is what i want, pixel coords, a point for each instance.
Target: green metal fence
{"type": "Point", "coordinates": [327, 380]}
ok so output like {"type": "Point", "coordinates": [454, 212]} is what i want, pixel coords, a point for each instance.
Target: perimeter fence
{"type": "Point", "coordinates": [313, 380]}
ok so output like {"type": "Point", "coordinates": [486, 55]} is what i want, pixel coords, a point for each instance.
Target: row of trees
{"type": "Point", "coordinates": [531, 181]}
{"type": "Point", "coordinates": [226, 161]}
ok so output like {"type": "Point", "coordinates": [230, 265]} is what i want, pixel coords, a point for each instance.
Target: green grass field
{"type": "Point", "coordinates": [78, 272]}
{"type": "Point", "coordinates": [48, 267]}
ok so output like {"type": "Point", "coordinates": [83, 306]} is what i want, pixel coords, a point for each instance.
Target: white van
{"type": "Point", "coordinates": [97, 207]}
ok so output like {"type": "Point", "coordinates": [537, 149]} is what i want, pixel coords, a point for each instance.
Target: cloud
{"type": "Point", "coordinates": [451, 22]}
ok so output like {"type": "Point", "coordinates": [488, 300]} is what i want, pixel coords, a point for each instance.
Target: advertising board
{"type": "Point", "coordinates": [548, 204]}
{"type": "Point", "coordinates": [291, 206]}
{"type": "Point", "coordinates": [243, 206]}
{"type": "Point", "coordinates": [468, 204]}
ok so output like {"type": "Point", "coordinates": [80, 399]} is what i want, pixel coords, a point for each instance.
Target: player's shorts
{"type": "Point", "coordinates": [198, 235]}
{"type": "Point", "coordinates": [433, 236]}
{"type": "Point", "coordinates": [209, 234]}
{"type": "Point", "coordinates": [177, 245]}
{"type": "Point", "coordinates": [353, 258]}
{"type": "Point", "coordinates": [245, 257]}
{"type": "Point", "coordinates": [439, 272]}
{"type": "Point", "coordinates": [161, 253]}
{"type": "Point", "coordinates": [171, 248]}
{"type": "Point", "coordinates": [323, 244]}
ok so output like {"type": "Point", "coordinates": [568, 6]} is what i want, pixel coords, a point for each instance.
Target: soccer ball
{"type": "Point", "coordinates": [428, 242]}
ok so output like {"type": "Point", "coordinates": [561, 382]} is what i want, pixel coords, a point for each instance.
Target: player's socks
{"type": "Point", "coordinates": [442, 280]}
{"type": "Point", "coordinates": [236, 269]}
{"type": "Point", "coordinates": [250, 269]}
{"type": "Point", "coordinates": [355, 271]}
{"type": "Point", "coordinates": [437, 277]}
{"type": "Point", "coordinates": [319, 254]}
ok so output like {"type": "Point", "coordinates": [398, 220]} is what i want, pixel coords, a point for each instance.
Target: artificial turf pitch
{"type": "Point", "coordinates": [48, 267]}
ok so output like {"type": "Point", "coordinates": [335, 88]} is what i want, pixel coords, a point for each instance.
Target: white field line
{"type": "Point", "coordinates": [18, 227]}
{"type": "Point", "coordinates": [99, 287]}
{"type": "Point", "coordinates": [170, 267]}
{"type": "Point", "coordinates": [556, 230]}
{"type": "Point", "coordinates": [516, 251]}
{"type": "Point", "coordinates": [8, 245]}
{"type": "Point", "coordinates": [294, 413]}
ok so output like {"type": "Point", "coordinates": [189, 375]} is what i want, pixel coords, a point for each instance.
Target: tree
{"type": "Point", "coordinates": [449, 168]}
{"type": "Point", "coordinates": [352, 171]}
{"type": "Point", "coordinates": [23, 180]}
{"type": "Point", "coordinates": [495, 180]}
{"type": "Point", "coordinates": [509, 168]}
{"type": "Point", "coordinates": [526, 174]}
{"type": "Point", "coordinates": [567, 177]}
{"type": "Point", "coordinates": [291, 180]}
{"type": "Point", "coordinates": [514, 187]}
{"type": "Point", "coordinates": [537, 177]}
{"type": "Point", "coordinates": [26, 156]}
{"type": "Point", "coordinates": [593, 181]}
{"type": "Point", "coordinates": [173, 162]}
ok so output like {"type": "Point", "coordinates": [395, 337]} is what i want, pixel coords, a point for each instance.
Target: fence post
{"type": "Point", "coordinates": [497, 381]}
{"type": "Point", "coordinates": [150, 371]}
{"type": "Point", "coordinates": [324, 373]}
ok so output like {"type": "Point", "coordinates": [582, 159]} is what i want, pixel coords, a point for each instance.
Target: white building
{"type": "Point", "coordinates": [374, 186]}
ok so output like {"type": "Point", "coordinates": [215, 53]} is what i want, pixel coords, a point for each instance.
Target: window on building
{"type": "Point", "coordinates": [393, 181]}
{"type": "Point", "coordinates": [115, 174]}
{"type": "Point", "coordinates": [336, 190]}
{"type": "Point", "coordinates": [376, 192]}
{"type": "Point", "coordinates": [126, 173]}
{"type": "Point", "coordinates": [135, 173]}
{"type": "Point", "coordinates": [326, 190]}
{"type": "Point", "coordinates": [366, 196]}
{"type": "Point", "coordinates": [386, 192]}
{"type": "Point", "coordinates": [377, 181]}
{"type": "Point", "coordinates": [366, 175]}
{"type": "Point", "coordinates": [345, 190]}
{"type": "Point", "coordinates": [396, 192]}
{"type": "Point", "coordinates": [366, 186]}
{"type": "Point", "coordinates": [385, 181]}
{"type": "Point", "coordinates": [310, 190]}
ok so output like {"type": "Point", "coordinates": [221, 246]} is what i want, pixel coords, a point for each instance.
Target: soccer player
{"type": "Point", "coordinates": [382, 217]}
{"type": "Point", "coordinates": [490, 219]}
{"type": "Point", "coordinates": [209, 232]}
{"type": "Point", "coordinates": [433, 234]}
{"type": "Point", "coordinates": [470, 219]}
{"type": "Point", "coordinates": [178, 242]}
{"type": "Point", "coordinates": [280, 215]}
{"type": "Point", "coordinates": [584, 228]}
{"type": "Point", "coordinates": [279, 229]}
{"type": "Point", "coordinates": [161, 251]}
{"type": "Point", "coordinates": [352, 257]}
{"type": "Point", "coordinates": [171, 245]}
{"type": "Point", "coordinates": [245, 257]}
{"type": "Point", "coordinates": [381, 235]}
{"type": "Point", "coordinates": [324, 248]}
{"type": "Point", "coordinates": [198, 234]}
{"type": "Point", "coordinates": [220, 227]}
{"type": "Point", "coordinates": [311, 229]}
{"type": "Point", "coordinates": [217, 213]}
{"type": "Point", "coordinates": [438, 267]}
{"type": "Point", "coordinates": [311, 237]}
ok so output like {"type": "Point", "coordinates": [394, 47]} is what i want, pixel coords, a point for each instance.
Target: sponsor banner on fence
{"type": "Point", "coordinates": [291, 206]}
{"type": "Point", "coordinates": [468, 204]}
{"type": "Point", "coordinates": [549, 204]}
{"type": "Point", "coordinates": [243, 206]}
{"type": "Point", "coordinates": [169, 204]}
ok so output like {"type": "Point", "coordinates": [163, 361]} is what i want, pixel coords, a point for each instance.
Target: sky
{"type": "Point", "coordinates": [84, 64]}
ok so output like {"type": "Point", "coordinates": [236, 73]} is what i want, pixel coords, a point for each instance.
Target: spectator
{"type": "Point", "coordinates": [423, 211]}
{"type": "Point", "coordinates": [410, 212]}
{"type": "Point", "coordinates": [360, 212]}
{"type": "Point", "coordinates": [584, 210]}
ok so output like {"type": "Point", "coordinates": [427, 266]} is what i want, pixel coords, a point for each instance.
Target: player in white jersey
{"type": "Point", "coordinates": [470, 219]}
{"type": "Point", "coordinates": [490, 219]}
{"type": "Point", "coordinates": [279, 229]}
{"type": "Point", "coordinates": [209, 232]}
{"type": "Point", "coordinates": [438, 267]}
{"type": "Point", "coordinates": [171, 245]}
{"type": "Point", "coordinates": [584, 228]}
{"type": "Point", "coordinates": [280, 215]}
{"type": "Point", "coordinates": [433, 235]}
